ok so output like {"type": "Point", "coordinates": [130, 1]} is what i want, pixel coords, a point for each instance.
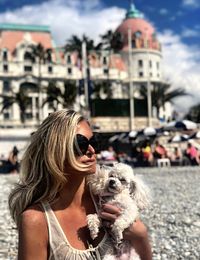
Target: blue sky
{"type": "Point", "coordinates": [177, 24]}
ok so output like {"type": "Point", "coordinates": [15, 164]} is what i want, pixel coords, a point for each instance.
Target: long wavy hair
{"type": "Point", "coordinates": [42, 173]}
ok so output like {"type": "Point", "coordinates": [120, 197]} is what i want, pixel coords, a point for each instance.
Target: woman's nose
{"type": "Point", "coordinates": [91, 149]}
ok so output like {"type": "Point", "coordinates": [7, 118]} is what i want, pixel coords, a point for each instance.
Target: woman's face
{"type": "Point", "coordinates": [89, 157]}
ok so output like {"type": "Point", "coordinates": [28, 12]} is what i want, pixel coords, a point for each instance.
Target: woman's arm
{"type": "Point", "coordinates": [137, 233]}
{"type": "Point", "coordinates": [33, 236]}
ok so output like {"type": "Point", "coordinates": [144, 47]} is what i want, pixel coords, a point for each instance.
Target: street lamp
{"type": "Point", "coordinates": [149, 101]}
{"type": "Point", "coordinates": [85, 80]}
{"type": "Point", "coordinates": [131, 97]}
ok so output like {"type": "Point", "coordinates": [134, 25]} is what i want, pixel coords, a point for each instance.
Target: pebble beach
{"type": "Point", "coordinates": [173, 219]}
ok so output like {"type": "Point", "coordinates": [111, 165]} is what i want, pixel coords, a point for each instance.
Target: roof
{"type": "Point", "coordinates": [142, 32]}
{"type": "Point", "coordinates": [24, 27]}
{"type": "Point", "coordinates": [133, 12]}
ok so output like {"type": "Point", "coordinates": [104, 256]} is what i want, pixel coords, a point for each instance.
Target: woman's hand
{"type": "Point", "coordinates": [109, 213]}
{"type": "Point", "coordinates": [137, 233]}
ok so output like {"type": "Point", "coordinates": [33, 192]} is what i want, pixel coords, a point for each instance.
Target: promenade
{"type": "Point", "coordinates": [173, 218]}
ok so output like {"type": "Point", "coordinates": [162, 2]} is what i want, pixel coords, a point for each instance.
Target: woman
{"type": "Point", "coordinates": [52, 201]}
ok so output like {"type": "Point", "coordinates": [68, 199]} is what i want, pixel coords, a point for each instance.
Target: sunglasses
{"type": "Point", "coordinates": [81, 144]}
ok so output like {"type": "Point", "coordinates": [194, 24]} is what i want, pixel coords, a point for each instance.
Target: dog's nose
{"type": "Point", "coordinates": [112, 183]}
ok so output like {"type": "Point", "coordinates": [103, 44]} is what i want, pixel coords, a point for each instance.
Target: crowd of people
{"type": "Point", "coordinates": [143, 155]}
{"type": "Point", "coordinates": [148, 154]}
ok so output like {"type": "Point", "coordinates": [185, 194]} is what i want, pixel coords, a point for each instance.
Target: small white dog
{"type": "Point", "coordinates": [118, 186]}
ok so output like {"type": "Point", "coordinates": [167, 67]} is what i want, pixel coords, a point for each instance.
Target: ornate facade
{"type": "Point", "coordinates": [19, 70]}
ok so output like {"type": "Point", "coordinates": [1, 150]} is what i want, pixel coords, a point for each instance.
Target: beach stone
{"type": "Point", "coordinates": [173, 219]}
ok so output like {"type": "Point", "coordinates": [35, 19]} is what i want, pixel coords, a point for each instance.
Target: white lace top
{"type": "Point", "coordinates": [60, 249]}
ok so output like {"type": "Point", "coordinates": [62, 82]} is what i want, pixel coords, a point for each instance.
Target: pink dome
{"type": "Point", "coordinates": [136, 25]}
{"type": "Point", "coordinates": [143, 33]}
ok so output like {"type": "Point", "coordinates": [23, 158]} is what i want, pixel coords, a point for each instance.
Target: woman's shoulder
{"type": "Point", "coordinates": [33, 217]}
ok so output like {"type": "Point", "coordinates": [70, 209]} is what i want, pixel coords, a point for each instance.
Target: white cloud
{"type": "Point", "coordinates": [191, 3]}
{"type": "Point", "coordinates": [68, 17]}
{"type": "Point", "coordinates": [182, 67]}
{"type": "Point", "coordinates": [187, 33]}
{"type": "Point", "coordinates": [163, 11]}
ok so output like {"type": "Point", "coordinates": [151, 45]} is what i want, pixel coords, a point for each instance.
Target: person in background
{"type": "Point", "coordinates": [192, 153]}
{"type": "Point", "coordinates": [159, 151]}
{"type": "Point", "coordinates": [147, 154]}
{"type": "Point", "coordinates": [13, 164]}
{"type": "Point", "coordinates": [176, 156]}
{"type": "Point", "coordinates": [51, 202]}
{"type": "Point", "coordinates": [109, 154]}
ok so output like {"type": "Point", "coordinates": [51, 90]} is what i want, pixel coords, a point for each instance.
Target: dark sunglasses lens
{"type": "Point", "coordinates": [82, 143]}
{"type": "Point", "coordinates": [94, 142]}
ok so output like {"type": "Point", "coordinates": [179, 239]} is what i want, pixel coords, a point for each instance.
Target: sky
{"type": "Point", "coordinates": [177, 23]}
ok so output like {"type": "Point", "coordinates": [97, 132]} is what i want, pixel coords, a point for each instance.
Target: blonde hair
{"type": "Point", "coordinates": [42, 172]}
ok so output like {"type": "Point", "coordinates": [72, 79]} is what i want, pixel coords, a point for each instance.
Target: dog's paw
{"type": "Point", "coordinates": [117, 233]}
{"type": "Point", "coordinates": [94, 224]}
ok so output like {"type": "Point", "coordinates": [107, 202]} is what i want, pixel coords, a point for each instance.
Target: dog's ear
{"type": "Point", "coordinates": [132, 188]}
{"type": "Point", "coordinates": [140, 194]}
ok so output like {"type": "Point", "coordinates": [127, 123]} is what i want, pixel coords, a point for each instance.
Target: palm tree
{"type": "Point", "coordinates": [194, 113]}
{"type": "Point", "coordinates": [41, 55]}
{"type": "Point", "coordinates": [102, 87]}
{"type": "Point", "coordinates": [162, 93]}
{"type": "Point", "coordinates": [74, 44]}
{"type": "Point", "coordinates": [20, 98]}
{"type": "Point", "coordinates": [56, 96]}
{"type": "Point", "coordinates": [53, 93]}
{"type": "Point", "coordinates": [112, 41]}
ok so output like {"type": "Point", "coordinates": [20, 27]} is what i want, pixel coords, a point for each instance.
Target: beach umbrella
{"type": "Point", "coordinates": [178, 138]}
{"type": "Point", "coordinates": [148, 131]}
{"type": "Point", "coordinates": [195, 135]}
{"type": "Point", "coordinates": [180, 125]}
{"type": "Point", "coordinates": [121, 137]}
{"type": "Point", "coordinates": [133, 134]}
{"type": "Point", "coordinates": [113, 138]}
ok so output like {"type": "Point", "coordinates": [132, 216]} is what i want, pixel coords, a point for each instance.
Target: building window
{"type": "Point", "coordinates": [28, 57]}
{"type": "Point", "coordinates": [49, 57]}
{"type": "Point", "coordinates": [51, 105]}
{"type": "Point", "coordinates": [6, 86]}
{"type": "Point", "coordinates": [50, 69]}
{"type": "Point", "coordinates": [106, 71]}
{"type": "Point", "coordinates": [5, 68]}
{"type": "Point", "coordinates": [140, 63]}
{"type": "Point", "coordinates": [104, 60]}
{"type": "Point", "coordinates": [37, 101]}
{"type": "Point", "coordinates": [69, 71]}
{"type": "Point", "coordinates": [29, 103]}
{"type": "Point", "coordinates": [6, 115]}
{"type": "Point", "coordinates": [157, 65]}
{"type": "Point", "coordinates": [133, 43]}
{"type": "Point", "coordinates": [5, 55]}
{"type": "Point", "coordinates": [141, 74]}
{"type": "Point", "coordinates": [150, 64]}
{"type": "Point", "coordinates": [29, 115]}
{"type": "Point", "coordinates": [158, 75]}
{"type": "Point", "coordinates": [138, 34]}
{"type": "Point", "coordinates": [150, 74]}
{"type": "Point", "coordinates": [69, 61]}
{"type": "Point", "coordinates": [28, 68]}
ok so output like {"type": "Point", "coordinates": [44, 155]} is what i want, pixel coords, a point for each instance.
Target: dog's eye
{"type": "Point", "coordinates": [122, 180]}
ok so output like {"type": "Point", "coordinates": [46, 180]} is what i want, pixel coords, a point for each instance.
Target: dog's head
{"type": "Point", "coordinates": [119, 178]}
